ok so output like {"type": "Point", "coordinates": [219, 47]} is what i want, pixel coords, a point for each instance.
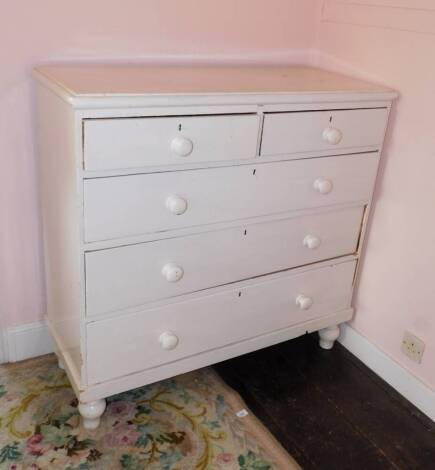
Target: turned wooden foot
{"type": "Point", "coordinates": [328, 336]}
{"type": "Point", "coordinates": [91, 413]}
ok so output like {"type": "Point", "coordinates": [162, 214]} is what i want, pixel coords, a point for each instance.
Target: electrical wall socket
{"type": "Point", "coordinates": [412, 347]}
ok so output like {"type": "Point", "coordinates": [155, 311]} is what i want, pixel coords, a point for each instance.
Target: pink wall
{"type": "Point", "coordinates": [394, 43]}
{"type": "Point", "coordinates": [31, 32]}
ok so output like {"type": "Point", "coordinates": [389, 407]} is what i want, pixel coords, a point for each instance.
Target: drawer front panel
{"type": "Point", "coordinates": [132, 205]}
{"type": "Point", "coordinates": [329, 131]}
{"type": "Point", "coordinates": [137, 142]}
{"type": "Point", "coordinates": [128, 344]}
{"type": "Point", "coordinates": [129, 276]}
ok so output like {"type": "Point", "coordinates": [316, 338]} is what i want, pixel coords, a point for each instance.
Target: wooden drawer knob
{"type": "Point", "coordinates": [182, 146]}
{"type": "Point", "coordinates": [168, 340]}
{"type": "Point", "coordinates": [304, 302]}
{"type": "Point", "coordinates": [176, 204]}
{"type": "Point", "coordinates": [323, 186]}
{"type": "Point", "coordinates": [332, 136]}
{"type": "Point", "coordinates": [172, 272]}
{"type": "Point", "coordinates": [312, 242]}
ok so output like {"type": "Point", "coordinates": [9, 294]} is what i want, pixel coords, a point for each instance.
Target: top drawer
{"type": "Point", "coordinates": [138, 142]}
{"type": "Point", "coordinates": [325, 131]}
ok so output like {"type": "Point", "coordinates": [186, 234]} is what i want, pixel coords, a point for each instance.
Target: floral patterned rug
{"type": "Point", "coordinates": [189, 422]}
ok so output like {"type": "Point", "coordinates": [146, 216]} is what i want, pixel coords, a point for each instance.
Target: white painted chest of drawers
{"type": "Point", "coordinates": [195, 214]}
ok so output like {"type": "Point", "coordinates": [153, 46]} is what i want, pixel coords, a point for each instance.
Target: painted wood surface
{"type": "Point", "coordinates": [135, 204]}
{"type": "Point", "coordinates": [285, 133]}
{"type": "Point", "coordinates": [141, 231]}
{"type": "Point", "coordinates": [110, 79]}
{"type": "Point", "coordinates": [132, 343]}
{"type": "Point", "coordinates": [125, 143]}
{"type": "Point", "coordinates": [206, 358]}
{"type": "Point", "coordinates": [62, 223]}
{"type": "Point", "coordinates": [132, 275]}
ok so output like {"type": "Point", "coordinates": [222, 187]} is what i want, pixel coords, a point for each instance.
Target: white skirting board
{"type": "Point", "coordinates": [419, 394]}
{"type": "Point", "coordinates": [33, 339]}
{"type": "Point", "coordinates": [25, 341]}
{"type": "Point", "coordinates": [3, 349]}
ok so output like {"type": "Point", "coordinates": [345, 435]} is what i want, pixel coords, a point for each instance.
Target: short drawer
{"type": "Point", "coordinates": [138, 142]}
{"type": "Point", "coordinates": [126, 206]}
{"type": "Point", "coordinates": [128, 344]}
{"type": "Point", "coordinates": [326, 131]}
{"type": "Point", "coordinates": [129, 276]}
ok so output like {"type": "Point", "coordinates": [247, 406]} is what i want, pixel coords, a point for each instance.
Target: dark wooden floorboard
{"type": "Point", "coordinates": [329, 410]}
{"type": "Point", "coordinates": [378, 412]}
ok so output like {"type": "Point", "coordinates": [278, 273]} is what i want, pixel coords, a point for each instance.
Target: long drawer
{"type": "Point", "coordinates": [128, 276]}
{"type": "Point", "coordinates": [136, 142]}
{"type": "Point", "coordinates": [136, 204]}
{"type": "Point", "coordinates": [326, 131]}
{"type": "Point", "coordinates": [128, 344]}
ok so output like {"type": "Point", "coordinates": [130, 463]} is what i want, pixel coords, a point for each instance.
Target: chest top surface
{"type": "Point", "coordinates": [104, 81]}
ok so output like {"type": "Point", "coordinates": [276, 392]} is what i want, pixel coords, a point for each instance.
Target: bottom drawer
{"type": "Point", "coordinates": [135, 342]}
